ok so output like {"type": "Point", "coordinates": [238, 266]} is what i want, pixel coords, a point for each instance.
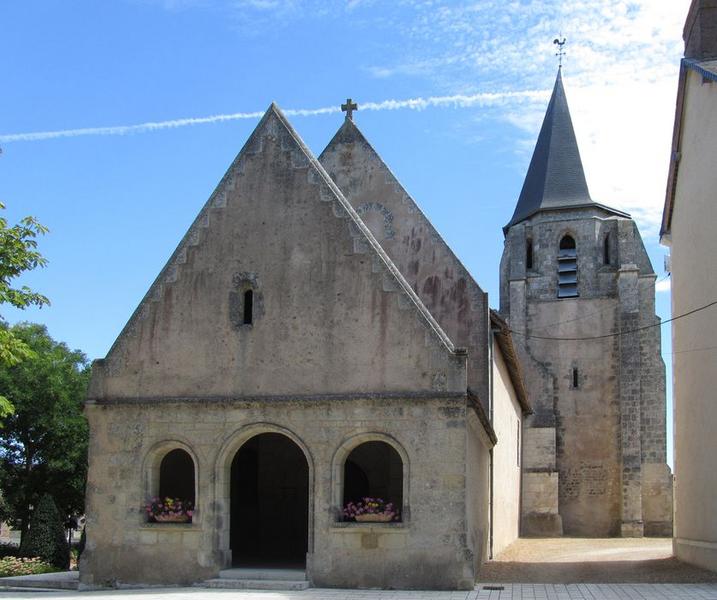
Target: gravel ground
{"type": "Point", "coordinates": [581, 560]}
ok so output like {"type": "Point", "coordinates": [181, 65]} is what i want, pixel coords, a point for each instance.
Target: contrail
{"type": "Point", "coordinates": [456, 101]}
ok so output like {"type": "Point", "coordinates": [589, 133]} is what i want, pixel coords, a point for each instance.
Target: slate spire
{"type": "Point", "coordinates": [555, 178]}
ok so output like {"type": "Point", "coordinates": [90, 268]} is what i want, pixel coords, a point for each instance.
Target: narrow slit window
{"type": "Point", "coordinates": [576, 378]}
{"type": "Point", "coordinates": [248, 307]}
{"type": "Point", "coordinates": [606, 250]}
{"type": "Point", "coordinates": [567, 268]}
{"type": "Point", "coordinates": [529, 255]}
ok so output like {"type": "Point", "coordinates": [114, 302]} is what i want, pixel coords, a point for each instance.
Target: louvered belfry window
{"type": "Point", "coordinates": [567, 268]}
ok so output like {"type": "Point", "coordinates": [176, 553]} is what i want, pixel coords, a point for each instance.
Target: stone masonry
{"type": "Point", "coordinates": [338, 350]}
{"type": "Point", "coordinates": [596, 446]}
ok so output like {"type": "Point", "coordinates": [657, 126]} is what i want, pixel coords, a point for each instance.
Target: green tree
{"type": "Point", "coordinates": [43, 446]}
{"type": "Point", "coordinates": [18, 253]}
{"type": "Point", "coordinates": [46, 537]}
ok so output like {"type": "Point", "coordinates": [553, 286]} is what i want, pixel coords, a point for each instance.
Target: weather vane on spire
{"type": "Point", "coordinates": [561, 50]}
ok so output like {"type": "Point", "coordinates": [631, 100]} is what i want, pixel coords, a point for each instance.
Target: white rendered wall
{"type": "Point", "coordinates": [694, 284]}
{"type": "Point", "coordinates": [507, 422]}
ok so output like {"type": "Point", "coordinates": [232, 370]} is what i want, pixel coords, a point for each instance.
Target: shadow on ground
{"type": "Point", "coordinates": [663, 570]}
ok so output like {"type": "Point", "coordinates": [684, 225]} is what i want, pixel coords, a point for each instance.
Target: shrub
{"type": "Point", "coordinates": [46, 537]}
{"type": "Point", "coordinates": [11, 566]}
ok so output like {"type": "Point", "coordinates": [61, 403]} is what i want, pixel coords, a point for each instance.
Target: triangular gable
{"type": "Point", "coordinates": [333, 313]}
{"type": "Point", "coordinates": [431, 268]}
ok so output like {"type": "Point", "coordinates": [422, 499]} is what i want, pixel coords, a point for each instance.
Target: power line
{"type": "Point", "coordinates": [597, 312]}
{"type": "Point", "coordinates": [617, 333]}
{"type": "Point", "coordinates": [694, 350]}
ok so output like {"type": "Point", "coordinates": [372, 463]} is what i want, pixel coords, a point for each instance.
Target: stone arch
{"type": "Point", "coordinates": [563, 232]}
{"type": "Point", "coordinates": [151, 470]}
{"type": "Point", "coordinates": [339, 459]}
{"type": "Point", "coordinates": [567, 241]}
{"type": "Point", "coordinates": [388, 231]}
{"type": "Point", "coordinates": [222, 470]}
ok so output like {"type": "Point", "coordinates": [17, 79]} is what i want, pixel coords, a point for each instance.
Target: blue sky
{"type": "Point", "coordinates": [451, 94]}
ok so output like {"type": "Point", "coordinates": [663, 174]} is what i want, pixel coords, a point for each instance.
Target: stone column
{"type": "Point", "coordinates": [630, 449]}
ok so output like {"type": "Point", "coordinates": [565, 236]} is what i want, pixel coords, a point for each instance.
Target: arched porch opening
{"type": "Point", "coordinates": [269, 498]}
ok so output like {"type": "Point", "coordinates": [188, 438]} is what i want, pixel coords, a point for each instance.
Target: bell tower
{"type": "Point", "coordinates": [578, 290]}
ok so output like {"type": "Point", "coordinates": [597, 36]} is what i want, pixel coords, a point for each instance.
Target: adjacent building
{"type": "Point", "coordinates": [688, 229]}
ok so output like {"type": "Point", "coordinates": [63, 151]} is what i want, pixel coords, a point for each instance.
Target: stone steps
{"type": "Point", "coordinates": [259, 579]}
{"type": "Point", "coordinates": [256, 584]}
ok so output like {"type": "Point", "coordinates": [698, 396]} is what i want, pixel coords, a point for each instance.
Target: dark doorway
{"type": "Point", "coordinates": [269, 503]}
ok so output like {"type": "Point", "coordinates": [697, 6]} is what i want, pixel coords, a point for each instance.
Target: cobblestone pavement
{"type": "Point", "coordinates": [706, 591]}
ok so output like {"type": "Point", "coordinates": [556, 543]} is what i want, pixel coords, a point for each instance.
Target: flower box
{"type": "Point", "coordinates": [169, 510]}
{"type": "Point", "coordinates": [172, 518]}
{"type": "Point", "coordinates": [371, 510]}
{"type": "Point", "coordinates": [375, 518]}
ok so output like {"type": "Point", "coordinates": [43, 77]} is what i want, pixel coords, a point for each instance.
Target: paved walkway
{"type": "Point", "coordinates": [622, 569]}
{"type": "Point", "coordinates": [581, 560]}
{"type": "Point", "coordinates": [510, 592]}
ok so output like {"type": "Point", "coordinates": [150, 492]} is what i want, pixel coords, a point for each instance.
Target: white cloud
{"type": "Point", "coordinates": [421, 103]}
{"type": "Point", "coordinates": [620, 71]}
{"type": "Point", "coordinates": [664, 285]}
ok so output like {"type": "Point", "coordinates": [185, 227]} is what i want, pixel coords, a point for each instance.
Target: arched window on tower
{"type": "Point", "coordinates": [606, 250]}
{"type": "Point", "coordinates": [567, 268]}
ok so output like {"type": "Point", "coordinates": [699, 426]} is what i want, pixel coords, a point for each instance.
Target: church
{"type": "Point", "coordinates": [314, 345]}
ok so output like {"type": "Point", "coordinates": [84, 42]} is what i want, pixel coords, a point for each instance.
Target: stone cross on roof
{"type": "Point", "coordinates": [349, 108]}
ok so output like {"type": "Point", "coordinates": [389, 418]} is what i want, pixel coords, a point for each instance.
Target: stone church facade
{"type": "Point", "coordinates": [286, 362]}
{"type": "Point", "coordinates": [578, 290]}
{"type": "Point", "coordinates": [313, 340]}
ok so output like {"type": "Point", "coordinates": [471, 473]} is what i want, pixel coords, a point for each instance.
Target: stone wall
{"type": "Point", "coordinates": [599, 422]}
{"type": "Point", "coordinates": [429, 265]}
{"type": "Point", "coordinates": [429, 549]}
{"type": "Point", "coordinates": [332, 314]}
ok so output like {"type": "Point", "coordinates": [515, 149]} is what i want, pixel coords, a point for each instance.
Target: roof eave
{"type": "Point", "coordinates": [685, 65]}
{"type": "Point", "coordinates": [477, 407]}
{"type": "Point", "coordinates": [507, 348]}
{"type": "Point", "coordinates": [588, 204]}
